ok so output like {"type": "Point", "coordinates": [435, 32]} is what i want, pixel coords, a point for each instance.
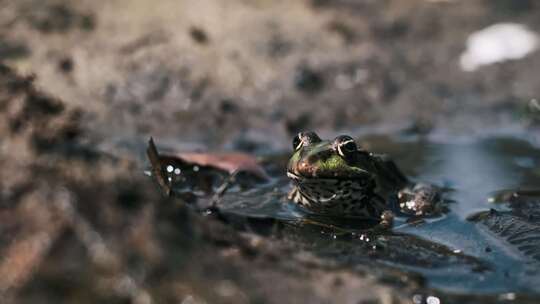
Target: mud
{"type": "Point", "coordinates": [84, 84]}
{"type": "Point", "coordinates": [155, 69]}
{"type": "Point", "coordinates": [80, 226]}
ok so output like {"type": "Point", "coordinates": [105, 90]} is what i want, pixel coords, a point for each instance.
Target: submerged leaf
{"type": "Point", "coordinates": [518, 228]}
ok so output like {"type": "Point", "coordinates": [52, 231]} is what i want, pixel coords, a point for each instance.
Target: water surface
{"type": "Point", "coordinates": [473, 169]}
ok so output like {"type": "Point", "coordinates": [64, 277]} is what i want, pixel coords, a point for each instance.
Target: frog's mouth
{"type": "Point", "coordinates": [301, 178]}
{"type": "Point", "coordinates": [332, 187]}
{"type": "Point", "coordinates": [295, 177]}
{"type": "Point", "coordinates": [315, 190]}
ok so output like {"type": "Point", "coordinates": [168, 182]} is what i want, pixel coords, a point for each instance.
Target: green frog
{"type": "Point", "coordinates": [337, 178]}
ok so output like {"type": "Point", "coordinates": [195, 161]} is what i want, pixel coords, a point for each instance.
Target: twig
{"type": "Point", "coordinates": [220, 192]}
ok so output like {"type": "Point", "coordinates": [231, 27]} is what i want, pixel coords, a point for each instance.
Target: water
{"type": "Point", "coordinates": [471, 261]}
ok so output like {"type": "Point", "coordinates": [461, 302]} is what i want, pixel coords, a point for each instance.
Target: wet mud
{"type": "Point", "coordinates": [84, 85]}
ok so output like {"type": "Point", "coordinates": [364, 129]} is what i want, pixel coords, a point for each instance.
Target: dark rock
{"type": "Point", "coordinates": [66, 65]}
{"type": "Point", "coordinates": [12, 49]}
{"type": "Point", "coordinates": [228, 106]}
{"type": "Point", "coordinates": [308, 80]}
{"type": "Point", "coordinates": [198, 35]}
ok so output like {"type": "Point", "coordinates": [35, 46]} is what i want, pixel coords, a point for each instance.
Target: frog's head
{"type": "Point", "coordinates": [314, 158]}
{"type": "Point", "coordinates": [332, 176]}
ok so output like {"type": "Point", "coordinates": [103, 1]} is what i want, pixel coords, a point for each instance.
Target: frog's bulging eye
{"type": "Point", "coordinates": [297, 142]}
{"type": "Point", "coordinates": [305, 139]}
{"type": "Point", "coordinates": [345, 145]}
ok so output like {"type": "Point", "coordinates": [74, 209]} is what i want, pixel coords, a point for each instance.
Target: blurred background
{"type": "Point", "coordinates": [190, 69]}
{"type": "Point", "coordinates": [236, 75]}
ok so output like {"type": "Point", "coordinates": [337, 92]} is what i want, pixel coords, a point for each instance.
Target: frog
{"type": "Point", "coordinates": [337, 178]}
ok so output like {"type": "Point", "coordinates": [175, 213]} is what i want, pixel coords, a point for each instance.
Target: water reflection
{"type": "Point", "coordinates": [474, 170]}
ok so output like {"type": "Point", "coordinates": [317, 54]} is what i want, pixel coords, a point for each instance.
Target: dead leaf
{"type": "Point", "coordinates": [230, 162]}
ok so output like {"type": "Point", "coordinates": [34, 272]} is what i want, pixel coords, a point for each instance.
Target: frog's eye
{"type": "Point", "coordinates": [297, 142]}
{"type": "Point", "coordinates": [345, 145]}
{"type": "Point", "coordinates": [305, 139]}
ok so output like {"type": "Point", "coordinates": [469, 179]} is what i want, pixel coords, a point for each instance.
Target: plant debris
{"type": "Point", "coordinates": [229, 162]}
{"type": "Point", "coordinates": [158, 171]}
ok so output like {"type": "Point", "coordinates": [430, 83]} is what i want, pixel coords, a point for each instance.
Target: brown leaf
{"type": "Point", "coordinates": [227, 161]}
{"type": "Point", "coordinates": [230, 162]}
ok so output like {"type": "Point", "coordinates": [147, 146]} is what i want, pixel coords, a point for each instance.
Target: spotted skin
{"type": "Point", "coordinates": [335, 197]}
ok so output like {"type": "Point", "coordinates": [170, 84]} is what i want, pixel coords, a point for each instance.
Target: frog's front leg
{"type": "Point", "coordinates": [420, 199]}
{"type": "Point", "coordinates": [294, 195]}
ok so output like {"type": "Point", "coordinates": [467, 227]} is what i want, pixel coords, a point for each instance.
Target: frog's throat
{"type": "Point", "coordinates": [337, 197]}
{"type": "Point", "coordinates": [327, 190]}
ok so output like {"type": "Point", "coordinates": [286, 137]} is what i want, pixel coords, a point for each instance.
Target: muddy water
{"type": "Point", "coordinates": [470, 259]}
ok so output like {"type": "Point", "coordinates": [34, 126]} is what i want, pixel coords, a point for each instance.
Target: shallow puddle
{"type": "Point", "coordinates": [454, 254]}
